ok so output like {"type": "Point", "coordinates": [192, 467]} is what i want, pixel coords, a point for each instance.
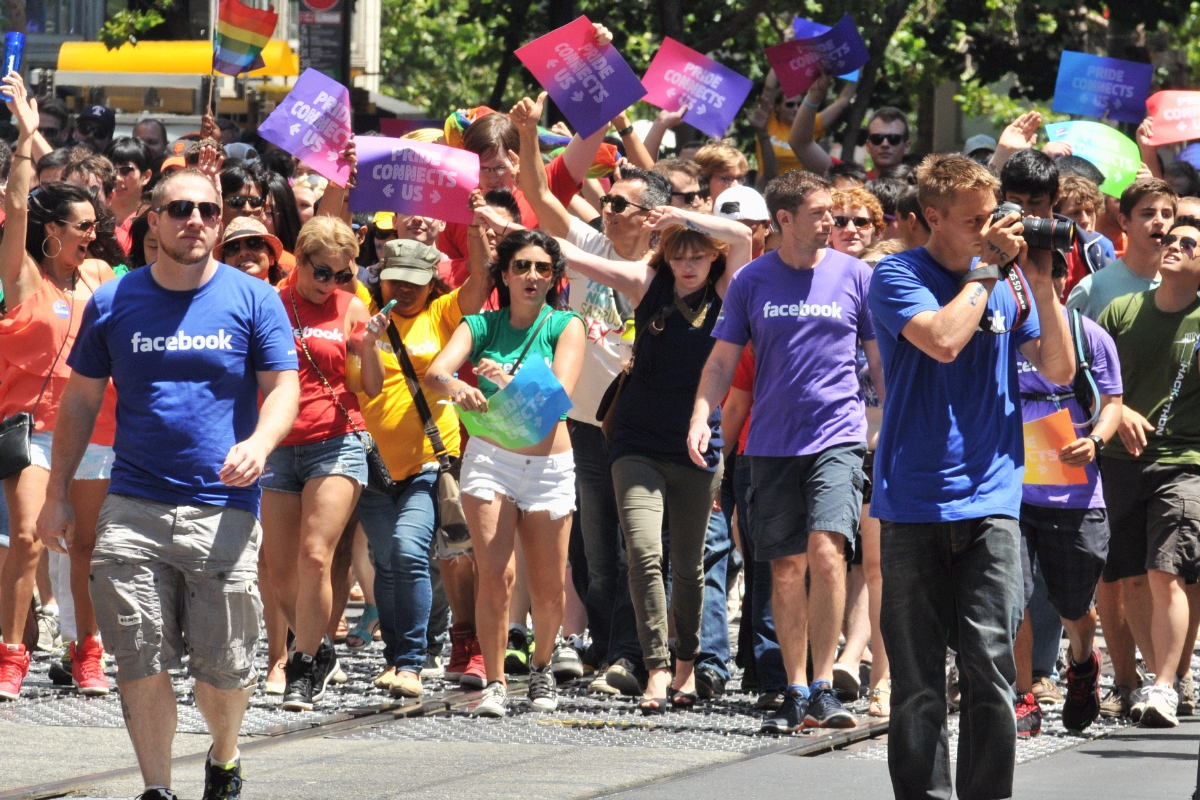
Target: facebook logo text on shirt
{"type": "Point", "coordinates": [802, 310]}
{"type": "Point", "coordinates": [182, 341]}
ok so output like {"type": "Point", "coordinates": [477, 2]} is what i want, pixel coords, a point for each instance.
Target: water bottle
{"type": "Point", "coordinates": [628, 336]}
{"type": "Point", "coordinates": [14, 49]}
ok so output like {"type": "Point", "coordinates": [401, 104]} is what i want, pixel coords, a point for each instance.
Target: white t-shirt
{"type": "Point", "coordinates": [597, 304]}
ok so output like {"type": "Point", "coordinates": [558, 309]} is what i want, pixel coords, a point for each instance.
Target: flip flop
{"type": "Point", "coordinates": [684, 701]}
{"type": "Point", "coordinates": [653, 706]}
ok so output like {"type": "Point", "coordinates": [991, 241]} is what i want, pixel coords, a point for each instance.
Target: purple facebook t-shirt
{"type": "Point", "coordinates": [805, 325]}
{"type": "Point", "coordinates": [1106, 369]}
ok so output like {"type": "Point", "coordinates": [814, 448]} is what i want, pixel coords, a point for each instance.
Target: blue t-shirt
{"type": "Point", "coordinates": [805, 325]}
{"type": "Point", "coordinates": [183, 364]}
{"type": "Point", "coordinates": [951, 447]}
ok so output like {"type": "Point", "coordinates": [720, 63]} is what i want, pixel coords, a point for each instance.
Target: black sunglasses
{"type": "Point", "coordinates": [50, 133]}
{"type": "Point", "coordinates": [182, 209]}
{"type": "Point", "coordinates": [240, 201]}
{"type": "Point", "coordinates": [88, 128]}
{"type": "Point", "coordinates": [619, 204]}
{"type": "Point", "coordinates": [688, 197]}
{"type": "Point", "coordinates": [323, 274]}
{"type": "Point", "coordinates": [125, 169]}
{"type": "Point", "coordinates": [249, 242]}
{"type": "Point", "coordinates": [521, 266]}
{"type": "Point", "coordinates": [894, 139]}
{"type": "Point", "coordinates": [859, 222]}
{"type": "Point", "coordinates": [1185, 242]}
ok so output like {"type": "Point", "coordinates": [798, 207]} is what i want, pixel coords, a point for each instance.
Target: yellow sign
{"type": "Point", "coordinates": [1044, 438]}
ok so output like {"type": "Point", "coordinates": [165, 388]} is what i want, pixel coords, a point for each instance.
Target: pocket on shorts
{"type": "Point", "coordinates": [127, 609]}
{"type": "Point", "coordinates": [1187, 551]}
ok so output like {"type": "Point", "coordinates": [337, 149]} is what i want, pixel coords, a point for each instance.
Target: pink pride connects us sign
{"type": "Point", "coordinates": [590, 84]}
{"type": "Point", "coordinates": [408, 177]}
{"type": "Point", "coordinates": [714, 93]}
{"type": "Point", "coordinates": [313, 124]}
{"type": "Point", "coordinates": [796, 63]}
{"type": "Point", "coordinates": [1176, 116]}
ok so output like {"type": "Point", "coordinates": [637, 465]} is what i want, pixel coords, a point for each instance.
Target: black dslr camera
{"type": "Point", "coordinates": [1040, 233]}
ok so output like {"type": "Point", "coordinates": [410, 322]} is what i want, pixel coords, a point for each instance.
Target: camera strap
{"type": "Point", "coordinates": [1011, 276]}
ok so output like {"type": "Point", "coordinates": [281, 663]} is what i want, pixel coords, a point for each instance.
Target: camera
{"type": "Point", "coordinates": [1040, 233]}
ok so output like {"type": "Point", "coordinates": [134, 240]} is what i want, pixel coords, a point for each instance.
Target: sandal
{"type": "Point", "coordinates": [684, 701]}
{"type": "Point", "coordinates": [363, 633]}
{"type": "Point", "coordinates": [881, 702]}
{"type": "Point", "coordinates": [653, 706]}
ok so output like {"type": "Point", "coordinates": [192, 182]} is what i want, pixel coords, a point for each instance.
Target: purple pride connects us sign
{"type": "Point", "coordinates": [714, 93]}
{"type": "Point", "coordinates": [409, 177]}
{"type": "Point", "coordinates": [796, 63]}
{"type": "Point", "coordinates": [313, 124]}
{"type": "Point", "coordinates": [1093, 86]}
{"type": "Point", "coordinates": [591, 85]}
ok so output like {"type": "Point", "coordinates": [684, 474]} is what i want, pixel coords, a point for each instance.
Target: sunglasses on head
{"type": "Point", "coordinates": [521, 266]}
{"type": "Point", "coordinates": [894, 139]}
{"type": "Point", "coordinates": [249, 242]}
{"type": "Point", "coordinates": [240, 201]}
{"type": "Point", "coordinates": [688, 197]}
{"type": "Point", "coordinates": [324, 274]}
{"type": "Point", "coordinates": [1185, 242]}
{"type": "Point", "coordinates": [618, 203]}
{"type": "Point", "coordinates": [182, 209]}
{"type": "Point", "coordinates": [859, 222]}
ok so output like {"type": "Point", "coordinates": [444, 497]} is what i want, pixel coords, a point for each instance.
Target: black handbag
{"type": "Point", "coordinates": [16, 432]}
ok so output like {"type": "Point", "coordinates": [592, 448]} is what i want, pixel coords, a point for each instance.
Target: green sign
{"type": "Point", "coordinates": [1113, 153]}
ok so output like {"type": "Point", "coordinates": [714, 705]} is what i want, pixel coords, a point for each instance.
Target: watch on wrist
{"type": "Point", "coordinates": [1096, 440]}
{"type": "Point", "coordinates": [628, 129]}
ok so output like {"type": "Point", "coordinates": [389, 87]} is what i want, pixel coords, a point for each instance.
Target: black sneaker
{"type": "Point", "coordinates": [221, 783]}
{"type": "Point", "coordinates": [300, 673]}
{"type": "Point", "coordinates": [157, 794]}
{"type": "Point", "coordinates": [789, 716]}
{"type": "Point", "coordinates": [516, 655]}
{"type": "Point", "coordinates": [826, 711]}
{"type": "Point", "coordinates": [60, 670]}
{"type": "Point", "coordinates": [623, 676]}
{"type": "Point", "coordinates": [543, 689]}
{"type": "Point", "coordinates": [1029, 717]}
{"type": "Point", "coordinates": [1083, 694]}
{"type": "Point", "coordinates": [324, 670]}
{"type": "Point", "coordinates": [708, 683]}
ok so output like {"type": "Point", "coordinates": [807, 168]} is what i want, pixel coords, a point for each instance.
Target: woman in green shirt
{"type": "Point", "coordinates": [528, 492]}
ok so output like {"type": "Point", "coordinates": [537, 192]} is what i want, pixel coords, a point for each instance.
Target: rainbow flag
{"type": "Point", "coordinates": [242, 32]}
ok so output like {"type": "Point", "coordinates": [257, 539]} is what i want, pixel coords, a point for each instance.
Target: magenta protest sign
{"type": "Point", "coordinates": [590, 84]}
{"type": "Point", "coordinates": [409, 177]}
{"type": "Point", "coordinates": [313, 124]}
{"type": "Point", "coordinates": [838, 50]}
{"type": "Point", "coordinates": [714, 93]}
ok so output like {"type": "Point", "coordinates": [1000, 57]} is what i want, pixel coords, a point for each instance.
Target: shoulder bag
{"type": "Point", "coordinates": [606, 411]}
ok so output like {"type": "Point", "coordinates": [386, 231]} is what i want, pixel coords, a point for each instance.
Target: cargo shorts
{"type": "Point", "coordinates": [174, 580]}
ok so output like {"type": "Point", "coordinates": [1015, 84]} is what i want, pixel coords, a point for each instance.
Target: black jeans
{"type": "Point", "coordinates": [955, 584]}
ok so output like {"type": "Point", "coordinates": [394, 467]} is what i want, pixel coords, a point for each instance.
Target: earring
{"type": "Point", "coordinates": [55, 254]}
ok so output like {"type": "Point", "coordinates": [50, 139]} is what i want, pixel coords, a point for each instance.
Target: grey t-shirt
{"type": "Point", "coordinates": [1093, 294]}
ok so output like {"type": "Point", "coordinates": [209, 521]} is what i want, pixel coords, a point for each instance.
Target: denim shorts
{"type": "Point", "coordinates": [96, 464]}
{"type": "Point", "coordinates": [791, 496]}
{"type": "Point", "coordinates": [290, 467]}
{"type": "Point", "coordinates": [532, 483]}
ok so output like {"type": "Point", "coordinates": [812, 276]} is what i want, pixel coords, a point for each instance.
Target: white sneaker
{"type": "Point", "coordinates": [1139, 698]}
{"type": "Point", "coordinates": [1161, 702]}
{"type": "Point", "coordinates": [494, 702]}
{"type": "Point", "coordinates": [543, 691]}
{"type": "Point", "coordinates": [433, 667]}
{"type": "Point", "coordinates": [566, 663]}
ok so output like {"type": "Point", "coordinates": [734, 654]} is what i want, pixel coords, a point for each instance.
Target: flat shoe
{"type": "Point", "coordinates": [652, 706]}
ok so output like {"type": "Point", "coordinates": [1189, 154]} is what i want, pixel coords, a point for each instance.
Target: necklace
{"type": "Point", "coordinates": [695, 317]}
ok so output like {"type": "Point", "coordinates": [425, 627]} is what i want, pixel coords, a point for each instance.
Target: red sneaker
{"type": "Point", "coordinates": [461, 636]}
{"type": "Point", "coordinates": [14, 666]}
{"type": "Point", "coordinates": [1029, 717]}
{"type": "Point", "coordinates": [87, 667]}
{"type": "Point", "coordinates": [475, 675]}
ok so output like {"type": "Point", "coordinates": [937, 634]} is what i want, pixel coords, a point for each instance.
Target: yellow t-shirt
{"type": "Point", "coordinates": [392, 417]}
{"type": "Point", "coordinates": [780, 131]}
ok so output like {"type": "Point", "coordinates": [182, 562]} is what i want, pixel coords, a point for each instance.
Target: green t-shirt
{"type": "Point", "coordinates": [496, 339]}
{"type": "Point", "coordinates": [1160, 375]}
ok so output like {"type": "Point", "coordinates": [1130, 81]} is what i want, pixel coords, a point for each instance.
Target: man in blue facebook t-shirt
{"type": "Point", "coordinates": [948, 472]}
{"type": "Point", "coordinates": [189, 343]}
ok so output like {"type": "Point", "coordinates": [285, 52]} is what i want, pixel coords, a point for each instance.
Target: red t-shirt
{"type": "Point", "coordinates": [324, 331]}
{"type": "Point", "coordinates": [743, 378]}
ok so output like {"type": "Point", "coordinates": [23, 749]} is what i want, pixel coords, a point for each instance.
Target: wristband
{"type": "Point", "coordinates": [18, 155]}
{"type": "Point", "coordinates": [628, 129]}
{"type": "Point", "coordinates": [813, 106]}
{"type": "Point", "coordinates": [983, 274]}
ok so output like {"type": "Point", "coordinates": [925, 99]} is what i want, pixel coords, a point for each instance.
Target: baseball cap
{"type": "Point", "coordinates": [384, 220]}
{"type": "Point", "coordinates": [410, 261]}
{"type": "Point", "coordinates": [105, 116]}
{"type": "Point", "coordinates": [172, 163]}
{"type": "Point", "coordinates": [741, 203]}
{"type": "Point", "coordinates": [980, 141]}
{"type": "Point", "coordinates": [241, 150]}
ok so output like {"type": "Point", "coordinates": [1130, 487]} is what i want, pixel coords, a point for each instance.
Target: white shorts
{"type": "Point", "coordinates": [96, 464]}
{"type": "Point", "coordinates": [532, 483]}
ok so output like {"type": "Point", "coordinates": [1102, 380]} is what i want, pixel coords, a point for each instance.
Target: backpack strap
{"type": "Point", "coordinates": [1087, 393]}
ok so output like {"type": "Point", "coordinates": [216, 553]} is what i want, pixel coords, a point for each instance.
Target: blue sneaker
{"type": "Point", "coordinates": [789, 717]}
{"type": "Point", "coordinates": [826, 711]}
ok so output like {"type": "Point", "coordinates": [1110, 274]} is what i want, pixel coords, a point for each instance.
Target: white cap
{"type": "Point", "coordinates": [741, 203]}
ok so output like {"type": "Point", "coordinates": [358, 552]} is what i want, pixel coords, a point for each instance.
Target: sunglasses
{"type": "Point", "coordinates": [324, 274]}
{"type": "Point", "coordinates": [86, 225]}
{"type": "Point", "coordinates": [894, 139]}
{"type": "Point", "coordinates": [249, 242]}
{"type": "Point", "coordinates": [521, 266]}
{"type": "Point", "coordinates": [859, 222]}
{"type": "Point", "coordinates": [182, 209]}
{"type": "Point", "coordinates": [790, 103]}
{"type": "Point", "coordinates": [50, 133]}
{"type": "Point", "coordinates": [240, 201]}
{"type": "Point", "coordinates": [688, 197]}
{"type": "Point", "coordinates": [618, 203]}
{"type": "Point", "coordinates": [88, 128]}
{"type": "Point", "coordinates": [125, 169]}
{"type": "Point", "coordinates": [1186, 243]}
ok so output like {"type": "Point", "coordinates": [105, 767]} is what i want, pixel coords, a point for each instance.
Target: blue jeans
{"type": "Point", "coordinates": [756, 605]}
{"type": "Point", "coordinates": [1047, 628]}
{"type": "Point", "coordinates": [609, 607]}
{"type": "Point", "coordinates": [956, 584]}
{"type": "Point", "coordinates": [714, 622]}
{"type": "Point", "coordinates": [400, 533]}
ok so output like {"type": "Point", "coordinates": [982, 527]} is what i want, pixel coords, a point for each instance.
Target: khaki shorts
{"type": "Point", "coordinates": [173, 580]}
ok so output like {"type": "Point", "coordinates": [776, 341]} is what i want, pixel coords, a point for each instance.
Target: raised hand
{"type": "Point", "coordinates": [527, 113]}
{"type": "Point", "coordinates": [603, 35]}
{"type": "Point", "coordinates": [1021, 133]}
{"type": "Point", "coordinates": [22, 106]}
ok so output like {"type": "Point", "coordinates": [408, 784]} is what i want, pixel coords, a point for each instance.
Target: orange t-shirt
{"type": "Point", "coordinates": [31, 336]}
